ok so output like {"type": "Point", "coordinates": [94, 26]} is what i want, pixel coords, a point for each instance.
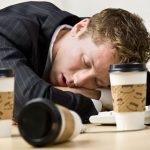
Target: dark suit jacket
{"type": "Point", "coordinates": [26, 30]}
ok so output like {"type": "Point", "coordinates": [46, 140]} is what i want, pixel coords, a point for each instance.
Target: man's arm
{"type": "Point", "coordinates": [92, 94]}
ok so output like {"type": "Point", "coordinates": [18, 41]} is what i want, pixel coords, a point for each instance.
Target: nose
{"type": "Point", "coordinates": [85, 79]}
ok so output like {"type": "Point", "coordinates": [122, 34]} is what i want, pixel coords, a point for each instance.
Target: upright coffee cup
{"type": "Point", "coordinates": [6, 101]}
{"type": "Point", "coordinates": [42, 123]}
{"type": "Point", "coordinates": [128, 88]}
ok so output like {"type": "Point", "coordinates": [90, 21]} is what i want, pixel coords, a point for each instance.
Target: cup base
{"type": "Point", "coordinates": [126, 121]}
{"type": "Point", "coordinates": [5, 128]}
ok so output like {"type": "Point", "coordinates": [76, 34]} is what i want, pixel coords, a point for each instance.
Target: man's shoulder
{"type": "Point", "coordinates": [39, 11]}
{"type": "Point", "coordinates": [30, 7]}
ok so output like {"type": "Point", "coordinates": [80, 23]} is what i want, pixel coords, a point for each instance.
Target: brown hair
{"type": "Point", "coordinates": [126, 31]}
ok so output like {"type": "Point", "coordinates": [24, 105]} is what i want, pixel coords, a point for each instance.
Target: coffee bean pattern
{"type": "Point", "coordinates": [129, 98]}
{"type": "Point", "coordinates": [6, 105]}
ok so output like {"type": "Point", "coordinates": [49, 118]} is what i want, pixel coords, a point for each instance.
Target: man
{"type": "Point", "coordinates": [49, 47]}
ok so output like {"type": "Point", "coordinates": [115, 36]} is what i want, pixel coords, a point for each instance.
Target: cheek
{"type": "Point", "coordinates": [74, 62]}
{"type": "Point", "coordinates": [73, 65]}
{"type": "Point", "coordinates": [105, 76]}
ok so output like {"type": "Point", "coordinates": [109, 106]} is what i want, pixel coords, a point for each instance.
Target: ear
{"type": "Point", "coordinates": [80, 27]}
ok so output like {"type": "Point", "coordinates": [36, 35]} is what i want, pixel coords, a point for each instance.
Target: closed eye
{"type": "Point", "coordinates": [86, 62]}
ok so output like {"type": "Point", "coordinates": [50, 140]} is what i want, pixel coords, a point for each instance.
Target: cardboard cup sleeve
{"type": "Point", "coordinates": [129, 98]}
{"type": "Point", "coordinates": [6, 105]}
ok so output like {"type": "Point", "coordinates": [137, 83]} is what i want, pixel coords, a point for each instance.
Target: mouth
{"type": "Point", "coordinates": [62, 80]}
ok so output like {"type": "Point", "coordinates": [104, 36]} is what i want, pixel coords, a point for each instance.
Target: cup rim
{"type": "Point", "coordinates": [128, 67]}
{"type": "Point", "coordinates": [7, 72]}
{"type": "Point", "coordinates": [50, 132]}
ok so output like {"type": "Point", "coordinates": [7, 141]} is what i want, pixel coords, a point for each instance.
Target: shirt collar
{"type": "Point", "coordinates": [58, 29]}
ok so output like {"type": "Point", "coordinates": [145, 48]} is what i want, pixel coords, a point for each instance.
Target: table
{"type": "Point", "coordinates": [98, 137]}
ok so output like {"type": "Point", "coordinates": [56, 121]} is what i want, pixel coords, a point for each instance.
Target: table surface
{"type": "Point", "coordinates": [96, 137]}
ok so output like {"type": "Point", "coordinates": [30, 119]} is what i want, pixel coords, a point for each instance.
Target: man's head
{"type": "Point", "coordinates": [125, 30]}
{"type": "Point", "coordinates": [82, 55]}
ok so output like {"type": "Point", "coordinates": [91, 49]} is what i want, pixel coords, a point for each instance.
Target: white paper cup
{"type": "Point", "coordinates": [5, 128]}
{"type": "Point", "coordinates": [6, 101]}
{"type": "Point", "coordinates": [128, 88]}
{"type": "Point", "coordinates": [130, 120]}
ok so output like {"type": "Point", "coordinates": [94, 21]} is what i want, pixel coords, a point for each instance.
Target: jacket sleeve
{"type": "Point", "coordinates": [29, 85]}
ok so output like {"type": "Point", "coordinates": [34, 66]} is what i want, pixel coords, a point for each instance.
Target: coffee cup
{"type": "Point", "coordinates": [6, 101]}
{"type": "Point", "coordinates": [128, 89]}
{"type": "Point", "coordinates": [42, 123]}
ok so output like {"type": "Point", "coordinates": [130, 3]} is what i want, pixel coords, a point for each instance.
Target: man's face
{"type": "Point", "coordinates": [81, 62]}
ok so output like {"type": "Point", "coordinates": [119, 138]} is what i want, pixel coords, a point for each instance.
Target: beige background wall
{"type": "Point", "coordinates": [4, 3]}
